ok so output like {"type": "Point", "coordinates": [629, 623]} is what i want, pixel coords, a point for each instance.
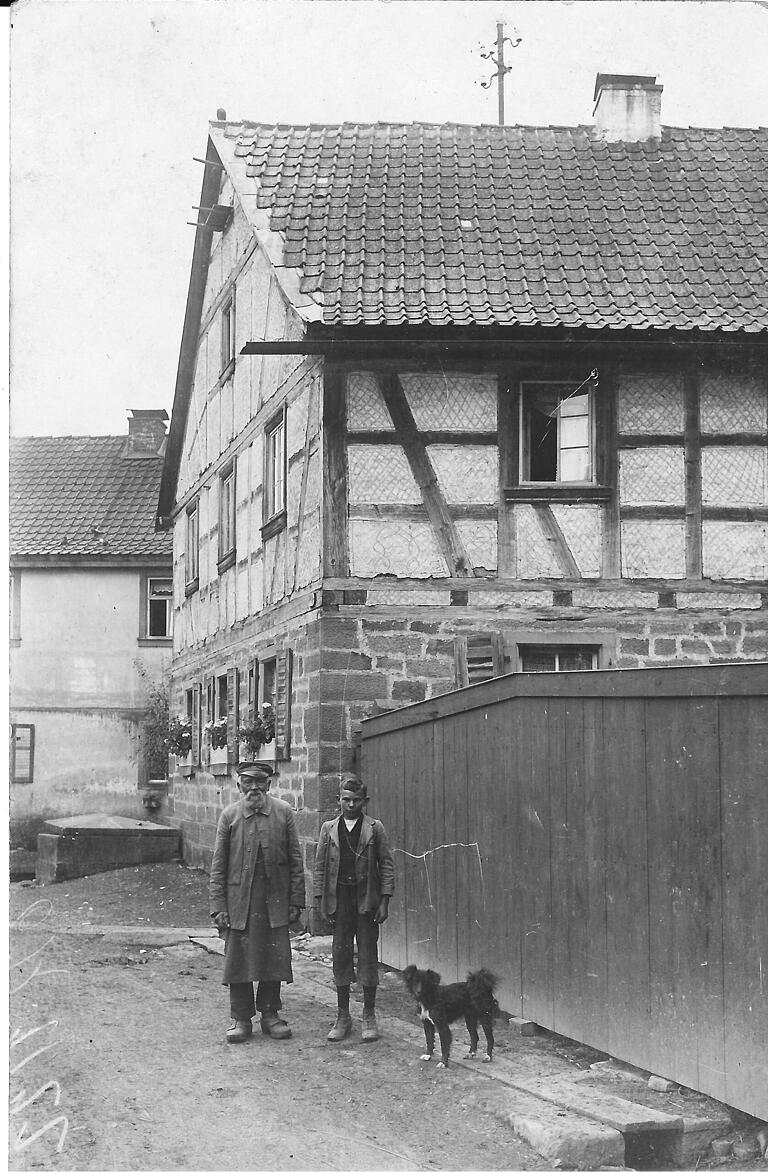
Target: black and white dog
{"type": "Point", "coordinates": [439, 1005]}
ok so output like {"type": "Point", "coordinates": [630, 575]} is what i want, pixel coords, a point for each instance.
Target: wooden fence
{"type": "Point", "coordinates": [600, 840]}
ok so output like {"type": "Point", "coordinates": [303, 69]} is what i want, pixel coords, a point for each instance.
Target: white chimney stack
{"type": "Point", "coordinates": [627, 107]}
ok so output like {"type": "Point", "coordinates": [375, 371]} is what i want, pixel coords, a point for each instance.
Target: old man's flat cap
{"type": "Point", "coordinates": [258, 770]}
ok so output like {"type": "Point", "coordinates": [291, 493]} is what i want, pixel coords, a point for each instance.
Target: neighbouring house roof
{"type": "Point", "coordinates": [450, 225]}
{"type": "Point", "coordinates": [83, 496]}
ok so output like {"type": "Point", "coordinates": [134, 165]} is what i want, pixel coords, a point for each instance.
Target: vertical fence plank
{"type": "Point", "coordinates": [744, 772]}
{"type": "Point", "coordinates": [626, 1012]}
{"type": "Point", "coordinates": [388, 757]}
{"type": "Point", "coordinates": [534, 846]}
{"type": "Point", "coordinates": [685, 910]}
{"type": "Point", "coordinates": [622, 835]}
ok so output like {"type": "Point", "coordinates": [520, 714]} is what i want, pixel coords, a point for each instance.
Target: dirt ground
{"type": "Point", "coordinates": [121, 1061]}
{"type": "Point", "coordinates": [118, 1057]}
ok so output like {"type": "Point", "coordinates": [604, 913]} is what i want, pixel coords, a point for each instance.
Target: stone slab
{"type": "Point", "coordinates": [621, 1114]}
{"type": "Point", "coordinates": [67, 855]}
{"type": "Point", "coordinates": [567, 1141]}
{"type": "Point", "coordinates": [86, 825]}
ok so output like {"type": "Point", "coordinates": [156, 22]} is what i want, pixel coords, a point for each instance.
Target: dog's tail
{"type": "Point", "coordinates": [481, 986]}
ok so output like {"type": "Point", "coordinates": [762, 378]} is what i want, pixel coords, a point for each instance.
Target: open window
{"type": "Point", "coordinates": [269, 683]}
{"type": "Point", "coordinates": [556, 433]}
{"type": "Point", "coordinates": [192, 554]}
{"type": "Point", "coordinates": [227, 519]}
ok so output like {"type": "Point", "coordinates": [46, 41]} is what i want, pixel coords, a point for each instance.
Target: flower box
{"type": "Point", "coordinates": [219, 756]}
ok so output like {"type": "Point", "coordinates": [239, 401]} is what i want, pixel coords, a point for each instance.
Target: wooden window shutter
{"type": "Point", "coordinates": [208, 708]}
{"type": "Point", "coordinates": [196, 724]}
{"type": "Point", "coordinates": [283, 706]}
{"type": "Point", "coordinates": [479, 658]}
{"type": "Point", "coordinates": [232, 713]}
{"type": "Point", "coordinates": [253, 690]}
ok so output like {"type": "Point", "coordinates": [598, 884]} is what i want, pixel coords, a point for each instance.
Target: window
{"type": "Point", "coordinates": [221, 710]}
{"type": "Point", "coordinates": [159, 608]}
{"type": "Point", "coordinates": [14, 609]}
{"type": "Point", "coordinates": [22, 753]}
{"type": "Point", "coordinates": [483, 656]}
{"type": "Point", "coordinates": [228, 336]}
{"type": "Point", "coordinates": [269, 682]}
{"type": "Point", "coordinates": [274, 468]}
{"type": "Point", "coordinates": [192, 561]}
{"type": "Point", "coordinates": [227, 519]}
{"type": "Point", "coordinates": [556, 434]}
{"type": "Point", "coordinates": [543, 658]}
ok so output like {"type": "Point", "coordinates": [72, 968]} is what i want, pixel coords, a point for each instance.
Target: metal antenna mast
{"type": "Point", "coordinates": [498, 61]}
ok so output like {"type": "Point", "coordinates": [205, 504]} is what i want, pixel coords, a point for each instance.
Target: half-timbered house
{"type": "Point", "coordinates": [455, 401]}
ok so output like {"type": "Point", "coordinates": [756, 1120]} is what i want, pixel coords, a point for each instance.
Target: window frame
{"type": "Point", "coordinates": [602, 643]}
{"type": "Point", "coordinates": [227, 336]}
{"type": "Point", "coordinates": [29, 779]}
{"type": "Point", "coordinates": [274, 502]}
{"type": "Point", "coordinates": [227, 518]}
{"type": "Point", "coordinates": [524, 456]}
{"type": "Point", "coordinates": [14, 608]}
{"type": "Point", "coordinates": [192, 548]}
{"type": "Point", "coordinates": [147, 577]}
{"type": "Point", "coordinates": [516, 485]}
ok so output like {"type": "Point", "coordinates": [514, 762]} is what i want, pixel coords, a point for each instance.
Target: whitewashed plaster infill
{"type": "Point", "coordinates": [380, 474]}
{"type": "Point", "coordinates": [653, 549]}
{"type": "Point", "coordinates": [651, 403]}
{"type": "Point", "coordinates": [466, 475]}
{"type": "Point", "coordinates": [734, 476]}
{"type": "Point", "coordinates": [735, 549]}
{"type": "Point", "coordinates": [732, 403]}
{"type": "Point", "coordinates": [392, 596]}
{"type": "Point", "coordinates": [652, 476]}
{"type": "Point", "coordinates": [535, 558]}
{"type": "Point", "coordinates": [582, 527]}
{"type": "Point", "coordinates": [366, 409]}
{"type": "Point", "coordinates": [720, 600]}
{"type": "Point", "coordinates": [480, 540]}
{"type": "Point", "coordinates": [451, 402]}
{"type": "Point", "coordinates": [407, 549]}
{"type": "Point", "coordinates": [615, 599]}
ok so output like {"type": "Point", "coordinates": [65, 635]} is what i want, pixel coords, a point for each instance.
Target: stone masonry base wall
{"type": "Point", "coordinates": [351, 662]}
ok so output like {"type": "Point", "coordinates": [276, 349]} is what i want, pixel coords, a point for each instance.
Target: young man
{"type": "Point", "coordinates": [353, 880]}
{"type": "Point", "coordinates": [256, 891]}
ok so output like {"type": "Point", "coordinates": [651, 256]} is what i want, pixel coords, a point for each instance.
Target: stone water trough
{"type": "Point", "coordinates": [68, 848]}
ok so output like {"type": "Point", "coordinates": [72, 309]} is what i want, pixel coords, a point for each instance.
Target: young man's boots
{"type": "Point", "coordinates": [370, 1032]}
{"type": "Point", "coordinates": [340, 1027]}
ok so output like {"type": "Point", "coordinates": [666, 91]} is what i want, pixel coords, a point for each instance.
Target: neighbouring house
{"type": "Point", "coordinates": [91, 609]}
{"type": "Point", "coordinates": [454, 401]}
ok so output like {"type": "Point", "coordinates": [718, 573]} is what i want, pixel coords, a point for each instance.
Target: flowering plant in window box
{"type": "Point", "coordinates": [261, 732]}
{"type": "Point", "coordinates": [216, 731]}
{"type": "Point", "coordinates": [180, 736]}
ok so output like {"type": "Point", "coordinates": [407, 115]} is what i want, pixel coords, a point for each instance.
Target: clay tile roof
{"type": "Point", "coordinates": [83, 496]}
{"type": "Point", "coordinates": [423, 224]}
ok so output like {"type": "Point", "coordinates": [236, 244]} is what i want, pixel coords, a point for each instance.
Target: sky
{"type": "Point", "coordinates": [110, 101]}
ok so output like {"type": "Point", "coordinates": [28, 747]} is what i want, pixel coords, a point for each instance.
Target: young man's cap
{"type": "Point", "coordinates": [257, 770]}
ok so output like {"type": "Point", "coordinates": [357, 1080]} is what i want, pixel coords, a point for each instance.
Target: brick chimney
{"type": "Point", "coordinates": [627, 107]}
{"type": "Point", "coordinates": [146, 432]}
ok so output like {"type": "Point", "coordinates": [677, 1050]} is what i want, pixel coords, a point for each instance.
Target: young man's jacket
{"type": "Point", "coordinates": [238, 835]}
{"type": "Point", "coordinates": [374, 869]}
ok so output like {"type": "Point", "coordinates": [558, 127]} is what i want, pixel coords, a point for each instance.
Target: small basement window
{"type": "Point", "coordinates": [540, 657]}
